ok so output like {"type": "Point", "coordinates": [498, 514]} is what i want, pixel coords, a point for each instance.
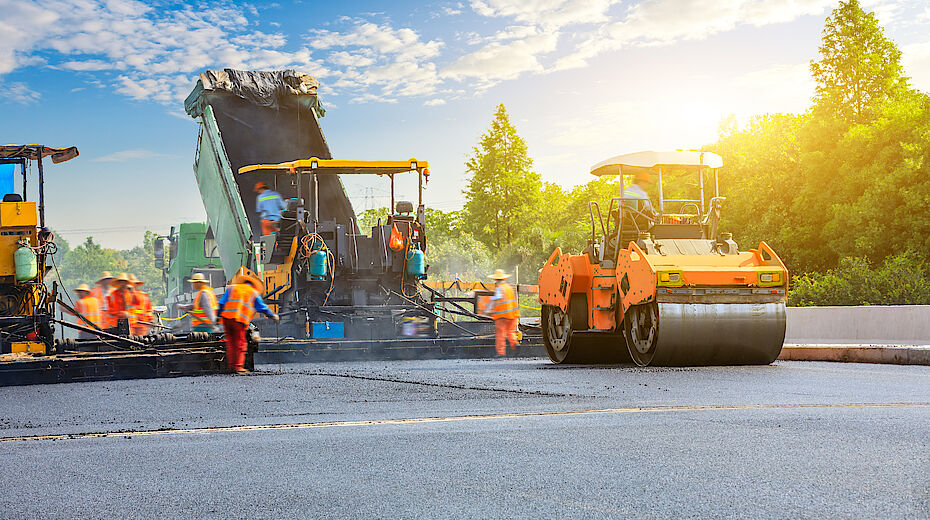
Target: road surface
{"type": "Point", "coordinates": [475, 438]}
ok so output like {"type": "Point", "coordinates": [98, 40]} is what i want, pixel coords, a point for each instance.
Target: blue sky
{"type": "Point", "coordinates": [582, 79]}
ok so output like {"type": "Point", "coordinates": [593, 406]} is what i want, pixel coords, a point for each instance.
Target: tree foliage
{"type": "Point", "coordinates": [85, 263]}
{"type": "Point", "coordinates": [859, 66]}
{"type": "Point", "coordinates": [503, 188]}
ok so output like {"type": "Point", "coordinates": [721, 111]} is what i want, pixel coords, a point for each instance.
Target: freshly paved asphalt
{"type": "Point", "coordinates": [475, 438]}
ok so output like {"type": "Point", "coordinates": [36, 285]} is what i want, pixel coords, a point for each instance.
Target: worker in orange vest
{"type": "Point", "coordinates": [504, 309]}
{"type": "Point", "coordinates": [203, 308]}
{"type": "Point", "coordinates": [123, 302]}
{"type": "Point", "coordinates": [144, 313]}
{"type": "Point", "coordinates": [89, 307]}
{"type": "Point", "coordinates": [101, 291]}
{"type": "Point", "coordinates": [237, 307]}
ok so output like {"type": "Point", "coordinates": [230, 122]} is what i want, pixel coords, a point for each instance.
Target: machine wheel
{"type": "Point", "coordinates": [641, 330]}
{"type": "Point", "coordinates": [557, 333]}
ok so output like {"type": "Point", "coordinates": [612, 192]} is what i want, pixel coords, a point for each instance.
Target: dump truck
{"type": "Point", "coordinates": [663, 287]}
{"type": "Point", "coordinates": [325, 277]}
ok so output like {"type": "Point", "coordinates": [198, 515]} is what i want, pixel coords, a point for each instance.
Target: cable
{"type": "Point", "coordinates": [181, 317]}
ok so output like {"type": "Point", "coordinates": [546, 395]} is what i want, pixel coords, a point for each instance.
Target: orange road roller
{"type": "Point", "coordinates": [659, 284]}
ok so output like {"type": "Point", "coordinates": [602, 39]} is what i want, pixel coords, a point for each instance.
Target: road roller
{"type": "Point", "coordinates": [658, 283]}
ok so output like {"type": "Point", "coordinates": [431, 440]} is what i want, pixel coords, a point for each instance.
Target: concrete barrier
{"type": "Point", "coordinates": [885, 325]}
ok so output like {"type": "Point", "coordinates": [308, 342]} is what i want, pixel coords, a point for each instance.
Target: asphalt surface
{"type": "Point", "coordinates": [475, 438]}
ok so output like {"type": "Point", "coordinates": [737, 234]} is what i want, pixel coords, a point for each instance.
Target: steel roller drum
{"type": "Point", "coordinates": [691, 334]}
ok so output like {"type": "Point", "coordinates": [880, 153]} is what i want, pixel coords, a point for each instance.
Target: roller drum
{"type": "Point", "coordinates": [690, 334]}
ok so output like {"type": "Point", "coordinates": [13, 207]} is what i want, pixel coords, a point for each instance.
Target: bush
{"type": "Point", "coordinates": [902, 279]}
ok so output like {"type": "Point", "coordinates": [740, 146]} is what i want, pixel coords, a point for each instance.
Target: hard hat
{"type": "Point", "coordinates": [123, 277]}
{"type": "Point", "coordinates": [198, 278]}
{"type": "Point", "coordinates": [135, 281]}
{"type": "Point", "coordinates": [260, 185]}
{"type": "Point", "coordinates": [244, 275]}
{"type": "Point", "coordinates": [499, 275]}
{"type": "Point", "coordinates": [643, 176]}
{"type": "Point", "coordinates": [82, 287]}
{"type": "Point", "coordinates": [105, 276]}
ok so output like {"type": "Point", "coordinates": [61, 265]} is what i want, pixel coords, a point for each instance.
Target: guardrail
{"type": "Point", "coordinates": [867, 325]}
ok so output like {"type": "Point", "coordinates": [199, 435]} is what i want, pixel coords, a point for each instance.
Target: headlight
{"type": "Point", "coordinates": [671, 278]}
{"type": "Point", "coordinates": [771, 279]}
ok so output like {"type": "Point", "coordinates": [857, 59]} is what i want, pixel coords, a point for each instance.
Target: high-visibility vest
{"type": "Point", "coordinates": [507, 306]}
{"type": "Point", "coordinates": [106, 321]}
{"type": "Point", "coordinates": [240, 305]}
{"type": "Point", "coordinates": [145, 306]}
{"type": "Point", "coordinates": [123, 300]}
{"type": "Point", "coordinates": [89, 307]}
{"type": "Point", "coordinates": [198, 313]}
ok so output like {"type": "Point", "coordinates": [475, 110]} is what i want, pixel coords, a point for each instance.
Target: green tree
{"type": "Point", "coordinates": [503, 189]}
{"type": "Point", "coordinates": [858, 67]}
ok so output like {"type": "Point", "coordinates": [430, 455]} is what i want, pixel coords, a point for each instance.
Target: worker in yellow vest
{"type": "Point", "coordinates": [89, 307]}
{"type": "Point", "coordinates": [203, 309]}
{"type": "Point", "coordinates": [237, 307]}
{"type": "Point", "coordinates": [504, 309]}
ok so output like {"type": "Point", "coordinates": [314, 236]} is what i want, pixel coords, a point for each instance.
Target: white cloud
{"type": "Point", "coordinates": [128, 155]}
{"type": "Point", "coordinates": [382, 39]}
{"type": "Point", "coordinates": [663, 22]}
{"type": "Point", "coordinates": [156, 51]}
{"type": "Point", "coordinates": [380, 61]}
{"type": "Point", "coordinates": [548, 13]}
{"type": "Point", "coordinates": [502, 61]}
{"type": "Point", "coordinates": [18, 93]}
{"type": "Point", "coordinates": [434, 102]}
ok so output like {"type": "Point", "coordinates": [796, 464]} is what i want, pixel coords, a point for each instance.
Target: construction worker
{"type": "Point", "coordinates": [144, 313]}
{"type": "Point", "coordinates": [203, 308]}
{"type": "Point", "coordinates": [101, 291]}
{"type": "Point", "coordinates": [89, 307]}
{"type": "Point", "coordinates": [637, 190]}
{"type": "Point", "coordinates": [122, 301]}
{"type": "Point", "coordinates": [237, 306]}
{"type": "Point", "coordinates": [503, 307]}
{"type": "Point", "coordinates": [269, 205]}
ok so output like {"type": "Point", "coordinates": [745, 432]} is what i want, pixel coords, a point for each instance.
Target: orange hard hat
{"type": "Point", "coordinates": [260, 185]}
{"type": "Point", "coordinates": [643, 176]}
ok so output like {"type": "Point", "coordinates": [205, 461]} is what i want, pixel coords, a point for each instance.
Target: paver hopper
{"type": "Point", "coordinates": [663, 286]}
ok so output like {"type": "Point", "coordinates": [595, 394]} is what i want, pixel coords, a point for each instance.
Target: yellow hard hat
{"type": "Point", "coordinates": [499, 274]}
{"type": "Point", "coordinates": [82, 287]}
{"type": "Point", "coordinates": [105, 276]}
{"type": "Point", "coordinates": [198, 277]}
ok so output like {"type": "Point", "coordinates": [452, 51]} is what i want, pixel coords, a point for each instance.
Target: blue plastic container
{"type": "Point", "coordinates": [328, 330]}
{"type": "Point", "coordinates": [318, 265]}
{"type": "Point", "coordinates": [416, 262]}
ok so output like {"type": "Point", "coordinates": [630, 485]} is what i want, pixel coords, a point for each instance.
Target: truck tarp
{"type": "Point", "coordinates": [262, 88]}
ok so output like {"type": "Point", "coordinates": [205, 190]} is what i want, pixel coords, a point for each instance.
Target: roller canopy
{"type": "Point", "coordinates": [34, 151]}
{"type": "Point", "coordinates": [633, 162]}
{"type": "Point", "coordinates": [344, 167]}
